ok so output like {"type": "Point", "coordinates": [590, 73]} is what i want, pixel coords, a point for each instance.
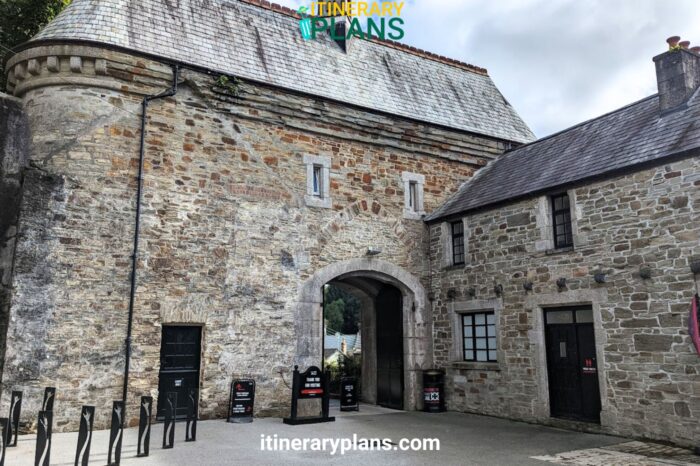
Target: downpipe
{"type": "Point", "coordinates": [137, 226]}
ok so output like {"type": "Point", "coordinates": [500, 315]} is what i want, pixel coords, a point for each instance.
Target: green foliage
{"type": "Point", "coordinates": [20, 20]}
{"type": "Point", "coordinates": [352, 309]}
{"type": "Point", "coordinates": [334, 315]}
{"type": "Point", "coordinates": [231, 85]}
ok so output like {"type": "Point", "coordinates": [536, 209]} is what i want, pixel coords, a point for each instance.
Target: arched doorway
{"type": "Point", "coordinates": [394, 306]}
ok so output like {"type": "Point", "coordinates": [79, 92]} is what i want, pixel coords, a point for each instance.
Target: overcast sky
{"type": "Point", "coordinates": [558, 62]}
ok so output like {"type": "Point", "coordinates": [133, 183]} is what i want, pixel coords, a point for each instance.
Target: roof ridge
{"type": "Point", "coordinates": [277, 8]}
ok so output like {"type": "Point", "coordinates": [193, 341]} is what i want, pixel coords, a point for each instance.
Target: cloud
{"type": "Point", "coordinates": [558, 62]}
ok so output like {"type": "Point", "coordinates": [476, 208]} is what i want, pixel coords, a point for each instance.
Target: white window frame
{"type": "Point", "coordinates": [413, 182]}
{"type": "Point", "coordinates": [321, 197]}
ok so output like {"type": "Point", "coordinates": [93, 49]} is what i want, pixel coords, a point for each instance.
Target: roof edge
{"type": "Point", "coordinates": [621, 171]}
{"type": "Point", "coordinates": [211, 71]}
{"type": "Point", "coordinates": [387, 43]}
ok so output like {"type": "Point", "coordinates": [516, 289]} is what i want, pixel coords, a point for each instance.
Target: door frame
{"type": "Point", "coordinates": [200, 371]}
{"type": "Point", "coordinates": [535, 305]}
{"type": "Point", "coordinates": [573, 310]}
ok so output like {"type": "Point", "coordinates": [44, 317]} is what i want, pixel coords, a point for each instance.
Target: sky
{"type": "Point", "coordinates": [558, 62]}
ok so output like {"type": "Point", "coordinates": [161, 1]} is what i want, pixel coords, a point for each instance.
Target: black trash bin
{"type": "Point", "coordinates": [433, 391]}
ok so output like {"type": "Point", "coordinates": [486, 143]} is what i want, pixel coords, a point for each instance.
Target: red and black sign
{"type": "Point", "coordinates": [241, 401]}
{"type": "Point", "coordinates": [310, 383]}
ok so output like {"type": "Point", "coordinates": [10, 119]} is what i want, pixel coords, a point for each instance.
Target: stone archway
{"type": "Point", "coordinates": [417, 327]}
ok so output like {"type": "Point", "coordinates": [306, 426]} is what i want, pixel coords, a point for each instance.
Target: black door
{"type": "Point", "coordinates": [571, 364]}
{"type": "Point", "coordinates": [179, 365]}
{"type": "Point", "coordinates": [389, 348]}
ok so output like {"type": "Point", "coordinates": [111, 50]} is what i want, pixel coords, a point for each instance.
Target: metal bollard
{"type": "Point", "coordinates": [144, 439]}
{"type": "Point", "coordinates": [115, 434]}
{"type": "Point", "coordinates": [87, 419]}
{"type": "Point", "coordinates": [169, 425]}
{"type": "Point", "coordinates": [43, 439]}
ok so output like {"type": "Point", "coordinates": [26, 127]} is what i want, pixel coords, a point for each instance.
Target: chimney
{"type": "Point", "coordinates": [339, 24]}
{"type": "Point", "coordinates": [677, 74]}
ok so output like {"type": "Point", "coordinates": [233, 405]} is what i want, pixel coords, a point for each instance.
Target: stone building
{"type": "Point", "coordinates": [276, 166]}
{"type": "Point", "coordinates": [562, 277]}
{"type": "Point", "coordinates": [273, 166]}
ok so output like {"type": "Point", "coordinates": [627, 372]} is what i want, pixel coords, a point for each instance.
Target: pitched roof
{"type": "Point", "coordinates": [255, 40]}
{"type": "Point", "coordinates": [620, 140]}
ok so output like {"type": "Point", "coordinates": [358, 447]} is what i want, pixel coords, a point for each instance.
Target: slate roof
{"type": "Point", "coordinates": [253, 41]}
{"type": "Point", "coordinates": [618, 141]}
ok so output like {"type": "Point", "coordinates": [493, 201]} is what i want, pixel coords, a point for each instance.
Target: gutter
{"type": "Point", "coordinates": [134, 257]}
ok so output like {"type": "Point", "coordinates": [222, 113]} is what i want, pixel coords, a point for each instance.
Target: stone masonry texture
{"type": "Point", "coordinates": [650, 381]}
{"type": "Point", "coordinates": [14, 140]}
{"type": "Point", "coordinates": [226, 238]}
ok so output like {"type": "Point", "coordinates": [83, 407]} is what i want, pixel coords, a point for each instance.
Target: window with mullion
{"type": "Point", "coordinates": [457, 243]}
{"type": "Point", "coordinates": [561, 216]}
{"type": "Point", "coordinates": [479, 337]}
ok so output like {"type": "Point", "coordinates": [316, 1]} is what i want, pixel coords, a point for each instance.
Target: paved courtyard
{"type": "Point", "coordinates": [464, 439]}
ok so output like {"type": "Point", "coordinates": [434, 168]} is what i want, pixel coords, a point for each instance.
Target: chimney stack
{"type": "Point", "coordinates": [677, 74]}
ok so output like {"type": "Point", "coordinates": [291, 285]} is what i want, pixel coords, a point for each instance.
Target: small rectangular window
{"type": "Point", "coordinates": [457, 243]}
{"type": "Point", "coordinates": [413, 196]}
{"type": "Point", "coordinates": [318, 180]}
{"type": "Point", "coordinates": [479, 337]}
{"type": "Point", "coordinates": [561, 216]}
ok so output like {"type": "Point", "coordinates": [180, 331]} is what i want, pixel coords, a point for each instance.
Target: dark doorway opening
{"type": "Point", "coordinates": [572, 367]}
{"type": "Point", "coordinates": [180, 353]}
{"type": "Point", "coordinates": [375, 354]}
{"type": "Point", "coordinates": [389, 308]}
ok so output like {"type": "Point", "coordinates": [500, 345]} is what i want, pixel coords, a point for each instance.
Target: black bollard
{"type": "Point", "coordinates": [87, 419]}
{"type": "Point", "coordinates": [4, 422]}
{"type": "Point", "coordinates": [49, 397]}
{"type": "Point", "coordinates": [191, 426]}
{"type": "Point", "coordinates": [169, 425]}
{"type": "Point", "coordinates": [115, 434]}
{"type": "Point", "coordinates": [43, 439]}
{"type": "Point", "coordinates": [13, 422]}
{"type": "Point", "coordinates": [144, 439]}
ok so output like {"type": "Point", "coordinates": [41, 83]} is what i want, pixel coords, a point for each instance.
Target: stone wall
{"type": "Point", "coordinates": [14, 141]}
{"type": "Point", "coordinates": [227, 240]}
{"type": "Point", "coordinates": [649, 376]}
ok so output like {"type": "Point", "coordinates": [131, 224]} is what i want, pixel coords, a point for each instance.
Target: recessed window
{"type": "Point", "coordinates": [561, 220]}
{"type": "Point", "coordinates": [479, 336]}
{"type": "Point", "coordinates": [318, 174]}
{"type": "Point", "coordinates": [457, 242]}
{"type": "Point", "coordinates": [318, 180]}
{"type": "Point", "coordinates": [413, 196]}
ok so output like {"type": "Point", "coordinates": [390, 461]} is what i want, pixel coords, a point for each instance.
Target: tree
{"type": "Point", "coordinates": [352, 309]}
{"type": "Point", "coordinates": [20, 20]}
{"type": "Point", "coordinates": [334, 315]}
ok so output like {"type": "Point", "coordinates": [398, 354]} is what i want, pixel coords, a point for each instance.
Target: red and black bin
{"type": "Point", "coordinates": [434, 391]}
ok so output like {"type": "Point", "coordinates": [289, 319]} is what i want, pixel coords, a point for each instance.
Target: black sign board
{"type": "Point", "coordinates": [87, 419]}
{"type": "Point", "coordinates": [43, 439]}
{"type": "Point", "coordinates": [49, 397]}
{"type": "Point", "coordinates": [309, 385]}
{"type": "Point", "coordinates": [191, 425]}
{"type": "Point", "coordinates": [4, 422]}
{"type": "Point", "coordinates": [348, 394]}
{"type": "Point", "coordinates": [169, 424]}
{"type": "Point", "coordinates": [241, 401]}
{"type": "Point", "coordinates": [13, 422]}
{"type": "Point", "coordinates": [144, 439]}
{"type": "Point", "coordinates": [115, 433]}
